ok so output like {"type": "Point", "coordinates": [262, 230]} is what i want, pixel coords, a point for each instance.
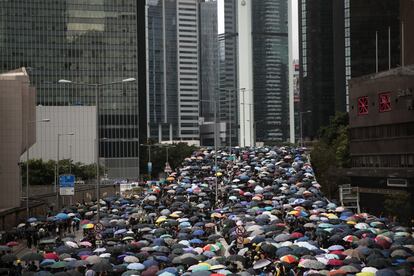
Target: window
{"type": "Point", "coordinates": [384, 102]}
{"type": "Point", "coordinates": [363, 105]}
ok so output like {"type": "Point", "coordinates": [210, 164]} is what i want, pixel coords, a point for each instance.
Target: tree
{"type": "Point", "coordinates": [331, 153]}
{"type": "Point", "coordinates": [43, 172]}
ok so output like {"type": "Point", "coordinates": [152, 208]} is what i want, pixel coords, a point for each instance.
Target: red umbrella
{"type": "Point", "coordinates": [51, 256]}
{"type": "Point", "coordinates": [85, 221]}
{"type": "Point", "coordinates": [289, 259]}
{"type": "Point", "coordinates": [12, 243]}
{"type": "Point", "coordinates": [335, 262]}
{"type": "Point", "coordinates": [383, 241]}
{"type": "Point", "coordinates": [296, 235]}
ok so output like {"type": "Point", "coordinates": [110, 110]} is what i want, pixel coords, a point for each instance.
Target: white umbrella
{"type": "Point", "coordinates": [131, 259]}
{"type": "Point", "coordinates": [72, 244]}
{"type": "Point", "coordinates": [261, 263]}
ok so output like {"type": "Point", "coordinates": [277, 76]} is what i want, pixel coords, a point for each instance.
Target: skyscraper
{"type": "Point", "coordinates": [208, 58]}
{"type": "Point", "coordinates": [258, 82]}
{"type": "Point", "coordinates": [85, 42]}
{"type": "Point", "coordinates": [270, 70]}
{"type": "Point", "coordinates": [228, 93]}
{"type": "Point", "coordinates": [173, 70]}
{"type": "Point", "coordinates": [340, 40]}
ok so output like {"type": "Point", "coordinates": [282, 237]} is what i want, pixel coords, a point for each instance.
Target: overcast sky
{"type": "Point", "coordinates": [294, 27]}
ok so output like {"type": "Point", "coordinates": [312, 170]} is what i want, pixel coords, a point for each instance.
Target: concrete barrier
{"type": "Point", "coordinates": [41, 203]}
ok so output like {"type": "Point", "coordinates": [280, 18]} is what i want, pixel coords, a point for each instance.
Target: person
{"type": "Point", "coordinates": [89, 271]}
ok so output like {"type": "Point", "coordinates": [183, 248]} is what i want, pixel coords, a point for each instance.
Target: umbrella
{"type": "Point", "coordinates": [59, 264]}
{"type": "Point", "coordinates": [136, 266]}
{"type": "Point", "coordinates": [51, 256]}
{"type": "Point", "coordinates": [290, 259]}
{"type": "Point", "coordinates": [131, 259]}
{"type": "Point", "coordinates": [32, 256]}
{"type": "Point", "coordinates": [349, 269]}
{"type": "Point", "coordinates": [62, 216]}
{"type": "Point", "coordinates": [261, 263]}
{"type": "Point", "coordinates": [312, 264]}
{"type": "Point", "coordinates": [12, 244]}
{"type": "Point", "coordinates": [93, 259]}
{"type": "Point", "coordinates": [101, 267]}
{"type": "Point", "coordinates": [9, 258]}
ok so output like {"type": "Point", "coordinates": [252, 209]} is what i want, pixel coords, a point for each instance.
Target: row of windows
{"type": "Point", "coordinates": [384, 131]}
{"type": "Point", "coordinates": [383, 161]}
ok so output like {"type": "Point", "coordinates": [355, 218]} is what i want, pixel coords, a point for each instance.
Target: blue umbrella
{"type": "Point", "coordinates": [120, 231]}
{"type": "Point", "coordinates": [198, 232]}
{"type": "Point", "coordinates": [149, 263]}
{"type": "Point", "coordinates": [196, 241]}
{"type": "Point", "coordinates": [62, 216]}
{"type": "Point", "coordinates": [163, 259]}
{"type": "Point", "coordinates": [136, 266]}
{"type": "Point", "coordinates": [30, 220]}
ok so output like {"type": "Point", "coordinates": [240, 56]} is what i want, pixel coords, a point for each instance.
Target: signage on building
{"type": "Point", "coordinates": [67, 184]}
{"type": "Point", "coordinates": [404, 92]}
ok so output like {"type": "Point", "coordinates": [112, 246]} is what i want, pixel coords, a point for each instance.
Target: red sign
{"type": "Point", "coordinates": [384, 100]}
{"type": "Point", "coordinates": [363, 105]}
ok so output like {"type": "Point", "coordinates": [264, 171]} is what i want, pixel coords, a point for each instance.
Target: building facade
{"type": "Point", "coordinates": [382, 135]}
{"type": "Point", "coordinates": [84, 42]}
{"type": "Point", "coordinates": [321, 57]}
{"type": "Point", "coordinates": [340, 40]}
{"type": "Point", "coordinates": [270, 70]}
{"type": "Point", "coordinates": [173, 70]}
{"type": "Point", "coordinates": [228, 93]}
{"type": "Point", "coordinates": [17, 132]}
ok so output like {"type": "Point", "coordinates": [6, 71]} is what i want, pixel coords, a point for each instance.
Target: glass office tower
{"type": "Point", "coordinates": [270, 70]}
{"type": "Point", "coordinates": [85, 41]}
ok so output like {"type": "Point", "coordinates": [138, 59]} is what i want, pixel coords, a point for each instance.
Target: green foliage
{"type": "Point", "coordinates": [399, 207]}
{"type": "Point", "coordinates": [43, 172]}
{"type": "Point", "coordinates": [331, 153]}
{"type": "Point", "coordinates": [176, 154]}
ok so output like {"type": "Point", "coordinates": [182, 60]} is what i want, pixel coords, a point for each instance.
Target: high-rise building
{"type": "Point", "coordinates": [340, 40]}
{"type": "Point", "coordinates": [228, 93]}
{"type": "Point", "coordinates": [208, 58]}
{"type": "Point", "coordinates": [173, 70]}
{"type": "Point", "coordinates": [91, 41]}
{"type": "Point", "coordinates": [254, 70]}
{"type": "Point", "coordinates": [320, 62]}
{"type": "Point", "coordinates": [270, 70]}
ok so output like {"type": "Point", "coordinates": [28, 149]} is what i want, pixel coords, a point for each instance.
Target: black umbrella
{"type": "Point", "coordinates": [189, 261]}
{"type": "Point", "coordinates": [9, 258]}
{"type": "Point", "coordinates": [102, 267]}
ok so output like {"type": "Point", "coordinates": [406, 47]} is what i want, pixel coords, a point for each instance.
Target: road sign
{"type": "Point", "coordinates": [98, 227]}
{"type": "Point", "coordinates": [167, 168]}
{"type": "Point", "coordinates": [67, 184]}
{"type": "Point", "coordinates": [98, 236]}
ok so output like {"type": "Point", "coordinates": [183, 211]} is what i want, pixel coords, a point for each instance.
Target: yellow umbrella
{"type": "Point", "coordinates": [161, 219]}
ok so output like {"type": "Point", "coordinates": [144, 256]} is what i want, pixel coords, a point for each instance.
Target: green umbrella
{"type": "Point", "coordinates": [60, 264]}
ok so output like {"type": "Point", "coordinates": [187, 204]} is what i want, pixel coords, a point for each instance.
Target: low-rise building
{"type": "Point", "coordinates": [381, 118]}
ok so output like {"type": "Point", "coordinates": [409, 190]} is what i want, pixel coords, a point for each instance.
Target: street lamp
{"type": "Point", "coordinates": [27, 161]}
{"type": "Point", "coordinates": [57, 167]}
{"type": "Point", "coordinates": [301, 125]}
{"type": "Point", "coordinates": [97, 86]}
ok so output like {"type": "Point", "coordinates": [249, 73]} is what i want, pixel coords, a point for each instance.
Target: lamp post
{"type": "Point", "coordinates": [97, 86]}
{"type": "Point", "coordinates": [301, 124]}
{"type": "Point", "coordinates": [27, 161]}
{"type": "Point", "coordinates": [57, 167]}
